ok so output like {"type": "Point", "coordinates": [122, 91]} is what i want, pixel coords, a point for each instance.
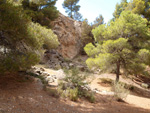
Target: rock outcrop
{"type": "Point", "coordinates": [55, 60]}
{"type": "Point", "coordinates": [69, 35]}
{"type": "Point", "coordinates": [50, 76]}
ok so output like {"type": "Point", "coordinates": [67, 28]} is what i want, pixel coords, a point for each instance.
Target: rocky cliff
{"type": "Point", "coordinates": [69, 35]}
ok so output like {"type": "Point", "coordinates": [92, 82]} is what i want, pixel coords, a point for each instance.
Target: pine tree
{"type": "Point", "coordinates": [119, 8]}
{"type": "Point", "coordinates": [140, 7]}
{"type": "Point", "coordinates": [20, 39]}
{"type": "Point", "coordinates": [43, 11]}
{"type": "Point", "coordinates": [98, 21]}
{"type": "Point", "coordinates": [77, 16]}
{"type": "Point", "coordinates": [121, 45]}
{"type": "Point", "coordinates": [71, 7]}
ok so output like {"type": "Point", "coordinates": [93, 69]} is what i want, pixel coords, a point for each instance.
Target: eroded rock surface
{"type": "Point", "coordinates": [69, 35]}
{"type": "Point", "coordinates": [55, 60]}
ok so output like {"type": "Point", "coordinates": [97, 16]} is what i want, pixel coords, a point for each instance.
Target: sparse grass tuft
{"type": "Point", "coordinates": [52, 92]}
{"type": "Point", "coordinates": [106, 80]}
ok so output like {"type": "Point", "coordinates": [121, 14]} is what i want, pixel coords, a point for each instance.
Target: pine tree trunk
{"type": "Point", "coordinates": [71, 14]}
{"type": "Point", "coordinates": [117, 72]}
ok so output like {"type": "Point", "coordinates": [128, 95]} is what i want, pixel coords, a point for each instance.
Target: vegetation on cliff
{"type": "Point", "coordinates": [21, 40]}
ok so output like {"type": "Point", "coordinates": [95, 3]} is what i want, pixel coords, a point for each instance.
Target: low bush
{"type": "Point", "coordinates": [90, 96]}
{"type": "Point", "coordinates": [74, 86]}
{"type": "Point", "coordinates": [73, 94]}
{"type": "Point", "coordinates": [106, 80]}
{"type": "Point", "coordinates": [21, 40]}
{"type": "Point", "coordinates": [12, 62]}
{"type": "Point", "coordinates": [120, 92]}
{"type": "Point", "coordinates": [44, 82]}
{"type": "Point", "coordinates": [52, 92]}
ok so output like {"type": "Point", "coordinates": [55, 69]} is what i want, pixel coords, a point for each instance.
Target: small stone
{"type": "Point", "coordinates": [71, 65]}
{"type": "Point", "coordinates": [20, 97]}
{"type": "Point", "coordinates": [144, 85]}
{"type": "Point", "coordinates": [42, 69]}
{"type": "Point", "coordinates": [49, 79]}
{"type": "Point", "coordinates": [45, 74]}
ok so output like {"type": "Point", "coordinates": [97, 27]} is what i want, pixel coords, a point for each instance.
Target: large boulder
{"type": "Point", "coordinates": [69, 35]}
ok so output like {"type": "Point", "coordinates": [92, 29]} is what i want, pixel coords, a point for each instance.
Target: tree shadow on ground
{"type": "Point", "coordinates": [140, 92]}
{"type": "Point", "coordinates": [22, 94]}
{"type": "Point", "coordinates": [106, 104]}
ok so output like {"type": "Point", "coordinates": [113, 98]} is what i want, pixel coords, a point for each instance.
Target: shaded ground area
{"type": "Point", "coordinates": [24, 94]}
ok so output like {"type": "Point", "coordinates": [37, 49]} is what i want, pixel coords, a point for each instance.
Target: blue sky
{"type": "Point", "coordinates": [91, 9]}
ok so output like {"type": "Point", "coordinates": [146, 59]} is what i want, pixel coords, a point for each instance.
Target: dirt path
{"type": "Point", "coordinates": [138, 101]}
{"type": "Point", "coordinates": [135, 100]}
{"type": "Point", "coordinates": [22, 94]}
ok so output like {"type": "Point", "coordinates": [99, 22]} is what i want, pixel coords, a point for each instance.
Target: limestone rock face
{"type": "Point", "coordinates": [69, 35]}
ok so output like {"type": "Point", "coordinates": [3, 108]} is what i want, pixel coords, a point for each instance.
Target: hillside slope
{"type": "Point", "coordinates": [25, 94]}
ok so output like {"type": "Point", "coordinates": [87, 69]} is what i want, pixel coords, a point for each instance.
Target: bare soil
{"type": "Point", "coordinates": [139, 97]}
{"type": "Point", "coordinates": [24, 94]}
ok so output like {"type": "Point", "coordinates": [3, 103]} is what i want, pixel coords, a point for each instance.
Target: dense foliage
{"type": "Point", "coordinates": [43, 11]}
{"type": "Point", "coordinates": [21, 39]}
{"type": "Point", "coordinates": [119, 8]}
{"type": "Point", "coordinates": [141, 7]}
{"type": "Point", "coordinates": [121, 45]}
{"type": "Point", "coordinates": [87, 36]}
{"type": "Point", "coordinates": [72, 9]}
{"type": "Point", "coordinates": [98, 21]}
{"type": "Point", "coordinates": [75, 86]}
{"type": "Point", "coordinates": [77, 16]}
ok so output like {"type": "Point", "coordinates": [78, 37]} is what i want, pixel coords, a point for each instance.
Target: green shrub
{"type": "Point", "coordinates": [42, 12]}
{"type": "Point", "coordinates": [52, 92]}
{"type": "Point", "coordinates": [73, 94]}
{"type": "Point", "coordinates": [21, 40]}
{"type": "Point", "coordinates": [44, 82]}
{"type": "Point", "coordinates": [14, 62]}
{"type": "Point", "coordinates": [59, 90]}
{"type": "Point", "coordinates": [89, 96]}
{"type": "Point", "coordinates": [73, 86]}
{"type": "Point", "coordinates": [86, 33]}
{"type": "Point", "coordinates": [43, 36]}
{"type": "Point", "coordinates": [120, 92]}
{"type": "Point", "coordinates": [75, 78]}
{"type": "Point", "coordinates": [66, 71]}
